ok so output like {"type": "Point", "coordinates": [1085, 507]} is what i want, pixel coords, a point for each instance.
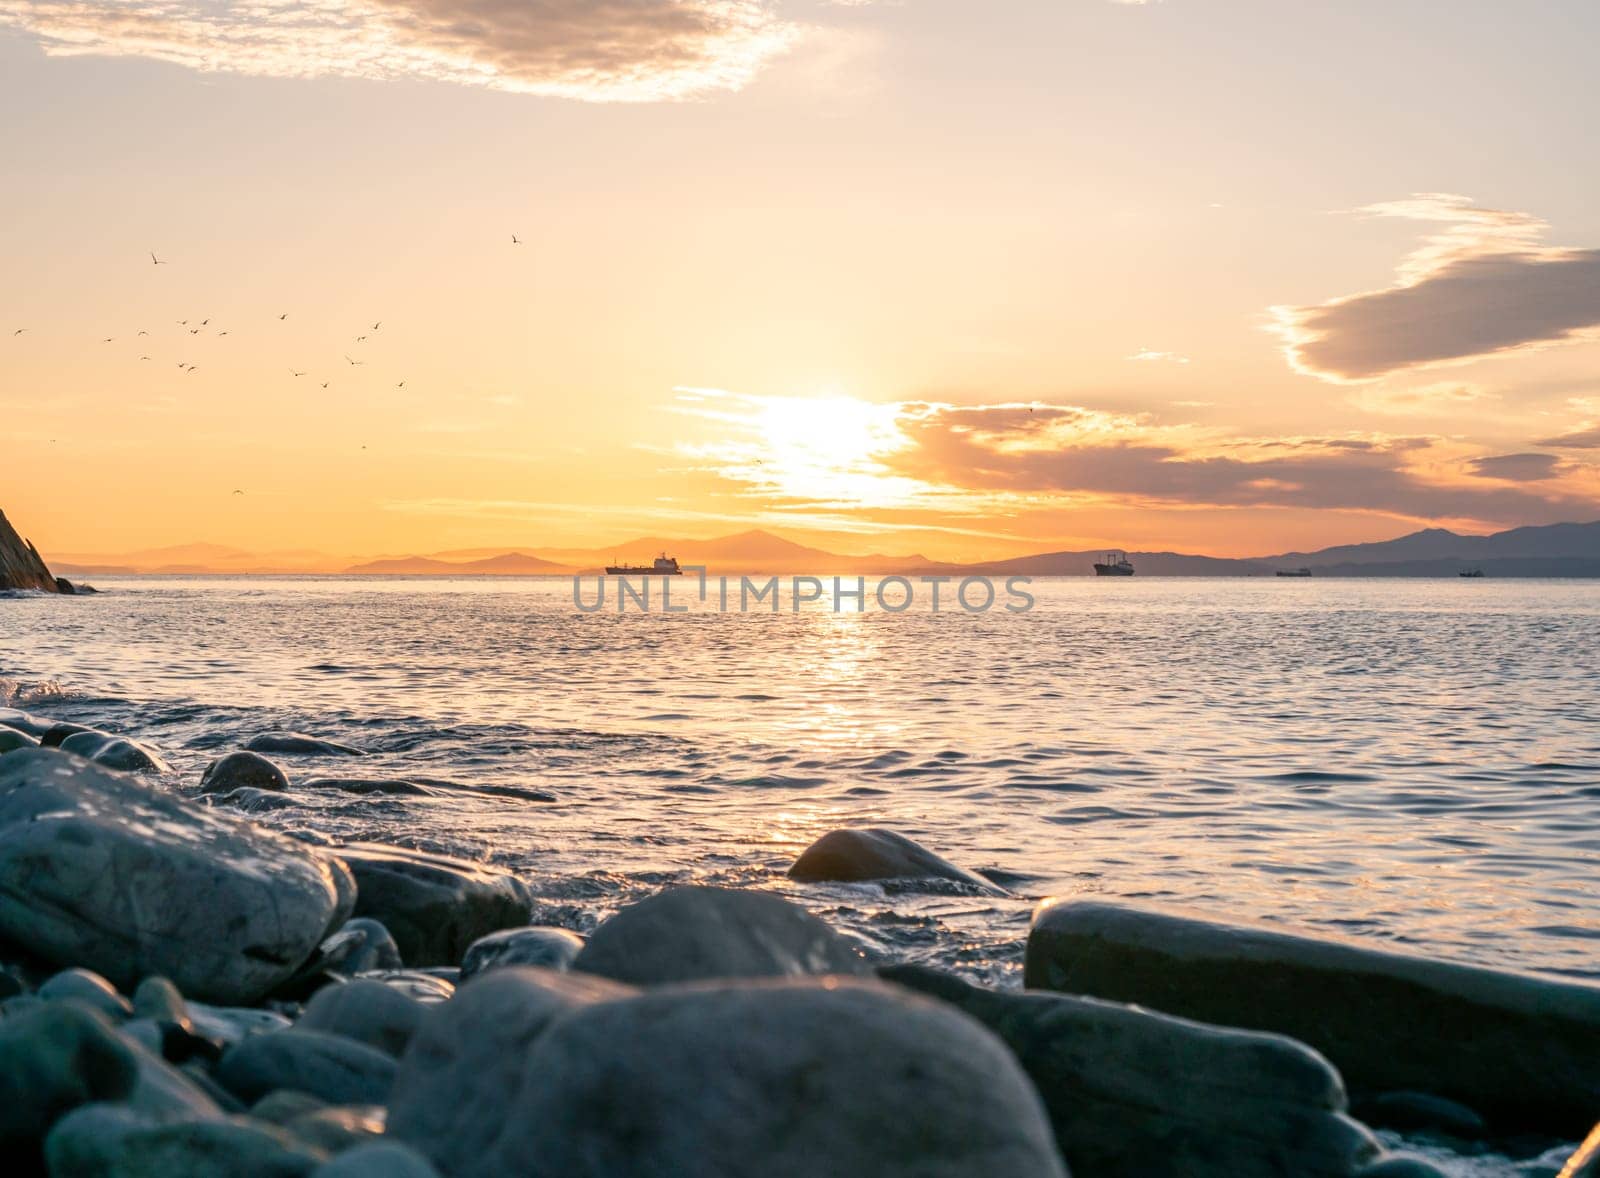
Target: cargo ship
{"type": "Point", "coordinates": [1116, 564]}
{"type": "Point", "coordinates": [664, 566]}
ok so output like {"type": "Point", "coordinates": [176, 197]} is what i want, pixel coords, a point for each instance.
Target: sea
{"type": "Point", "coordinates": [1411, 764]}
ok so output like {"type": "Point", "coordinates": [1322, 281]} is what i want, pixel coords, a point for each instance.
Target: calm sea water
{"type": "Point", "coordinates": [1408, 762]}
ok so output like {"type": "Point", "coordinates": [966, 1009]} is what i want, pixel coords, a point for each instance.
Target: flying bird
{"type": "Point", "coordinates": [292, 372]}
{"type": "Point", "coordinates": [194, 331]}
{"type": "Point", "coordinates": [238, 492]}
{"type": "Point", "coordinates": [203, 322]}
{"type": "Point", "coordinates": [183, 323]}
{"type": "Point", "coordinates": [401, 385]}
{"type": "Point", "coordinates": [144, 333]}
{"type": "Point", "coordinates": [360, 338]}
{"type": "Point", "coordinates": [19, 331]}
{"type": "Point", "coordinates": [191, 368]}
{"type": "Point", "coordinates": [155, 261]}
{"type": "Point", "coordinates": [285, 315]}
{"type": "Point", "coordinates": [324, 384]}
{"type": "Point", "coordinates": [144, 357]}
{"type": "Point", "coordinates": [355, 362]}
{"type": "Point", "coordinates": [108, 339]}
{"type": "Point", "coordinates": [222, 333]}
{"type": "Point", "coordinates": [515, 240]}
{"type": "Point", "coordinates": [377, 325]}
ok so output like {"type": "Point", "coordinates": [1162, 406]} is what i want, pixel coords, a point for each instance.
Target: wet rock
{"type": "Point", "coordinates": [115, 752]}
{"type": "Point", "coordinates": [53, 1058]}
{"type": "Point", "coordinates": [395, 786]}
{"type": "Point", "coordinates": [377, 948]}
{"type": "Point", "coordinates": [284, 1105]}
{"type": "Point", "coordinates": [790, 1079]}
{"type": "Point", "coordinates": [434, 906]}
{"type": "Point", "coordinates": [157, 998]}
{"type": "Point", "coordinates": [548, 948]}
{"type": "Point", "coordinates": [252, 801]}
{"type": "Point", "coordinates": [242, 770]}
{"type": "Point", "coordinates": [424, 985]}
{"type": "Point", "coordinates": [89, 988]}
{"type": "Point", "coordinates": [299, 744]}
{"type": "Point", "coordinates": [11, 740]}
{"type": "Point", "coordinates": [21, 566]}
{"type": "Point", "coordinates": [338, 1129]}
{"type": "Point", "coordinates": [231, 1148]}
{"type": "Point", "coordinates": [387, 1159]}
{"type": "Point", "coordinates": [52, 736]}
{"type": "Point", "coordinates": [857, 856]}
{"type": "Point", "coordinates": [369, 1012]}
{"type": "Point", "coordinates": [19, 721]}
{"type": "Point", "coordinates": [469, 1054]}
{"type": "Point", "coordinates": [1132, 1093]}
{"type": "Point", "coordinates": [88, 1140]}
{"type": "Point", "coordinates": [1402, 1166]}
{"type": "Point", "coordinates": [1522, 1051]}
{"type": "Point", "coordinates": [162, 1093]}
{"type": "Point", "coordinates": [696, 933]}
{"type": "Point", "coordinates": [100, 870]}
{"type": "Point", "coordinates": [1419, 1112]}
{"type": "Point", "coordinates": [331, 1067]}
{"type": "Point", "coordinates": [230, 1025]}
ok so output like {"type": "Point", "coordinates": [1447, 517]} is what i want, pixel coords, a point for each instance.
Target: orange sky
{"type": "Point", "coordinates": [964, 280]}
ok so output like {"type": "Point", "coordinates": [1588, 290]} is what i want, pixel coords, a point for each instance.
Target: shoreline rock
{"type": "Point", "coordinates": [1522, 1052]}
{"type": "Point", "coordinates": [874, 855]}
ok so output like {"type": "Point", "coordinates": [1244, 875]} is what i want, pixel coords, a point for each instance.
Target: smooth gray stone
{"type": "Point", "coordinates": [386, 1159]}
{"type": "Point", "coordinates": [100, 870]}
{"type": "Point", "coordinates": [548, 948]}
{"type": "Point", "coordinates": [52, 736]}
{"type": "Point", "coordinates": [299, 744]}
{"type": "Point", "coordinates": [230, 1025]}
{"type": "Point", "coordinates": [330, 1067]}
{"type": "Point", "coordinates": [1586, 1162]}
{"type": "Point", "coordinates": [232, 1148]}
{"type": "Point", "coordinates": [1132, 1093]}
{"type": "Point", "coordinates": [162, 1093]}
{"type": "Point", "coordinates": [248, 800]}
{"type": "Point", "coordinates": [875, 855]}
{"type": "Point", "coordinates": [693, 934]}
{"type": "Point", "coordinates": [367, 1011]}
{"type": "Point", "coordinates": [11, 740]}
{"type": "Point", "coordinates": [284, 1105]}
{"type": "Point", "coordinates": [1523, 1052]}
{"type": "Point", "coordinates": [53, 1058]}
{"type": "Point", "coordinates": [34, 726]}
{"type": "Point", "coordinates": [783, 1079]}
{"type": "Point", "coordinates": [394, 786]}
{"type": "Point", "coordinates": [88, 987]}
{"type": "Point", "coordinates": [432, 905]}
{"type": "Point", "coordinates": [157, 998]}
{"type": "Point", "coordinates": [115, 752]}
{"type": "Point", "coordinates": [469, 1053]}
{"type": "Point", "coordinates": [88, 1139]}
{"type": "Point", "coordinates": [242, 770]}
{"type": "Point", "coordinates": [339, 1128]}
{"type": "Point", "coordinates": [424, 985]}
{"type": "Point", "coordinates": [377, 949]}
{"type": "Point", "coordinates": [1411, 1112]}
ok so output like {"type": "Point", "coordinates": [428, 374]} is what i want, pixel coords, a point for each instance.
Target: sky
{"type": "Point", "coordinates": [940, 276]}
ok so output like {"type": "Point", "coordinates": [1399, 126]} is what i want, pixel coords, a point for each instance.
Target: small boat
{"type": "Point", "coordinates": [1116, 564]}
{"type": "Point", "coordinates": [1300, 572]}
{"type": "Point", "coordinates": [664, 566]}
{"type": "Point", "coordinates": [1470, 573]}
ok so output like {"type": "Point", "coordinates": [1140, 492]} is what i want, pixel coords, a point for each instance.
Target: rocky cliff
{"type": "Point", "coordinates": [21, 566]}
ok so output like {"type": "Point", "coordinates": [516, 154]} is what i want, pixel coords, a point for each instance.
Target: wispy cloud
{"type": "Point", "coordinates": [595, 50]}
{"type": "Point", "coordinates": [1517, 468]}
{"type": "Point", "coordinates": [1151, 356]}
{"type": "Point", "coordinates": [1432, 400]}
{"type": "Point", "coordinates": [1484, 283]}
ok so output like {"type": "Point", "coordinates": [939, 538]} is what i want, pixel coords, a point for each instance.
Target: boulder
{"type": "Point", "coordinates": [548, 948]}
{"type": "Point", "coordinates": [468, 1055]}
{"type": "Point", "coordinates": [115, 752]}
{"type": "Point", "coordinates": [875, 856]}
{"type": "Point", "coordinates": [299, 744]}
{"type": "Point", "coordinates": [329, 1067]}
{"type": "Point", "coordinates": [52, 736]}
{"type": "Point", "coordinates": [53, 1058]}
{"type": "Point", "coordinates": [242, 770]}
{"type": "Point", "coordinates": [434, 906]}
{"type": "Point", "coordinates": [157, 998]}
{"type": "Point", "coordinates": [382, 786]}
{"type": "Point", "coordinates": [99, 870]}
{"type": "Point", "coordinates": [234, 1147]}
{"type": "Point", "coordinates": [698, 933]}
{"type": "Point", "coordinates": [367, 1011]}
{"type": "Point", "coordinates": [1132, 1093]}
{"type": "Point", "coordinates": [384, 1159]}
{"type": "Point", "coordinates": [785, 1079]}
{"type": "Point", "coordinates": [20, 721]}
{"type": "Point", "coordinates": [377, 948]}
{"type": "Point", "coordinates": [11, 740]}
{"type": "Point", "coordinates": [1522, 1051]}
{"type": "Point", "coordinates": [427, 986]}
{"type": "Point", "coordinates": [1419, 1112]}
{"type": "Point", "coordinates": [1401, 1165]}
{"type": "Point", "coordinates": [339, 1128]}
{"type": "Point", "coordinates": [229, 1025]}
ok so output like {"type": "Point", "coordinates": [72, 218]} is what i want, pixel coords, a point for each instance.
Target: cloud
{"type": "Point", "coordinates": [1517, 468]}
{"type": "Point", "coordinates": [594, 50]}
{"type": "Point", "coordinates": [1149, 355]}
{"type": "Point", "coordinates": [1578, 439]}
{"type": "Point", "coordinates": [1483, 284]}
{"type": "Point", "coordinates": [1433, 400]}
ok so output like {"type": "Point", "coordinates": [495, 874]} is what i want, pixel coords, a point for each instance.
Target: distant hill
{"type": "Point", "coordinates": [1552, 550]}
{"type": "Point", "coordinates": [507, 564]}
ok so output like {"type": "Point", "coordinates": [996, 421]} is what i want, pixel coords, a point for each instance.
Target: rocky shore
{"type": "Point", "coordinates": [185, 992]}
